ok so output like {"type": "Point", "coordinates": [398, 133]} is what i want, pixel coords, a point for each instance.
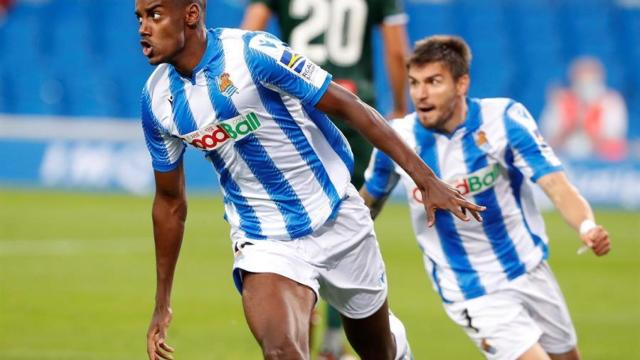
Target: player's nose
{"type": "Point", "coordinates": [144, 28]}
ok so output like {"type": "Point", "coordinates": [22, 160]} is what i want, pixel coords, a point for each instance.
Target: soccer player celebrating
{"type": "Point", "coordinates": [299, 229]}
{"type": "Point", "coordinates": [493, 276]}
{"type": "Point", "coordinates": [337, 35]}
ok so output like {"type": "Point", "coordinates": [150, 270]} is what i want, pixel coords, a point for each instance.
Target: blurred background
{"type": "Point", "coordinates": [71, 74]}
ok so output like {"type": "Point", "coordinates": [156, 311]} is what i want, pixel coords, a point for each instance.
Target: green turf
{"type": "Point", "coordinates": [77, 282]}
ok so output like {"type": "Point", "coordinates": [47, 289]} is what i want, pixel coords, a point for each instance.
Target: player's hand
{"type": "Point", "coordinates": [157, 348]}
{"type": "Point", "coordinates": [598, 240]}
{"type": "Point", "coordinates": [437, 194]}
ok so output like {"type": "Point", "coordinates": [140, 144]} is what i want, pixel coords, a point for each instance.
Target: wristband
{"type": "Point", "coordinates": [586, 226]}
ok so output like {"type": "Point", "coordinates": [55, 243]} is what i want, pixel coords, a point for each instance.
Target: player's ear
{"type": "Point", "coordinates": [193, 15]}
{"type": "Point", "coordinates": [462, 85]}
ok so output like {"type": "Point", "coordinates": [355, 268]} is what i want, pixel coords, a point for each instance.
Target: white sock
{"type": "Point", "coordinates": [332, 342]}
{"type": "Point", "coordinates": [400, 334]}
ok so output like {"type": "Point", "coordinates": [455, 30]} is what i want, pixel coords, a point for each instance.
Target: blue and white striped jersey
{"type": "Point", "coordinates": [488, 159]}
{"type": "Point", "coordinates": [249, 106]}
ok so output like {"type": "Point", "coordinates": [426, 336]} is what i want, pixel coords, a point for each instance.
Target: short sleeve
{"type": "Point", "coordinates": [275, 64]}
{"type": "Point", "coordinates": [381, 175]}
{"type": "Point", "coordinates": [166, 151]}
{"type": "Point", "coordinates": [531, 154]}
{"type": "Point", "coordinates": [393, 13]}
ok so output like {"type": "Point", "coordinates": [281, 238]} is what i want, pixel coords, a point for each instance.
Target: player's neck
{"type": "Point", "coordinates": [457, 118]}
{"type": "Point", "coordinates": [190, 56]}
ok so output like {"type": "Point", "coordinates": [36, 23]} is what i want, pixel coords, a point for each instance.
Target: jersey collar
{"type": "Point", "coordinates": [209, 54]}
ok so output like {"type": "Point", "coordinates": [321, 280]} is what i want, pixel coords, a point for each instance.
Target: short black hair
{"type": "Point", "coordinates": [201, 3]}
{"type": "Point", "coordinates": [451, 50]}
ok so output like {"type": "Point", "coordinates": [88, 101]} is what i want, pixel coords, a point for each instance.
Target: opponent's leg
{"type": "Point", "coordinates": [278, 310]}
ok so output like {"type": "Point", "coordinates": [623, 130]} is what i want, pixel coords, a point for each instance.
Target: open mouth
{"type": "Point", "coordinates": [147, 49]}
{"type": "Point", "coordinates": [426, 109]}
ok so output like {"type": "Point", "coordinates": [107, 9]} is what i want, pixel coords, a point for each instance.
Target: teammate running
{"type": "Point", "coordinates": [493, 276]}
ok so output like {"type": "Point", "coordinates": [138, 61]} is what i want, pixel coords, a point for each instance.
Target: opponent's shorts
{"type": "Point", "coordinates": [506, 323]}
{"type": "Point", "coordinates": [340, 261]}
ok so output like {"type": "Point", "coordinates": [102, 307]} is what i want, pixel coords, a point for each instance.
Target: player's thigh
{"type": "Point", "coordinates": [498, 325]}
{"type": "Point", "coordinates": [544, 301]}
{"type": "Point", "coordinates": [279, 289]}
{"type": "Point", "coordinates": [277, 309]}
{"type": "Point", "coordinates": [535, 352]}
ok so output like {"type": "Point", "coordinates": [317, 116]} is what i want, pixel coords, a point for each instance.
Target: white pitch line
{"type": "Point", "coordinates": [70, 247]}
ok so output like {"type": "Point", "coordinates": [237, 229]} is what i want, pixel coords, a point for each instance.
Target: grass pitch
{"type": "Point", "coordinates": [77, 282]}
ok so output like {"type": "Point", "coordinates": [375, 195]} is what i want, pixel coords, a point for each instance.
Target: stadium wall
{"type": "Point", "coordinates": [110, 155]}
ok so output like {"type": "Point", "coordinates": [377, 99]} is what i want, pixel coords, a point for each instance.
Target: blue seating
{"type": "Point", "coordinates": [82, 57]}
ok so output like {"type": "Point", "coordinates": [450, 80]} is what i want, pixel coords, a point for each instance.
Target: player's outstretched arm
{"type": "Point", "coordinates": [343, 104]}
{"type": "Point", "coordinates": [576, 211]}
{"type": "Point", "coordinates": [169, 214]}
{"type": "Point", "coordinates": [256, 17]}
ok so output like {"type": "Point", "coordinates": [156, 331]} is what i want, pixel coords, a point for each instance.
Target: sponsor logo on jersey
{"type": "Point", "coordinates": [214, 136]}
{"type": "Point", "coordinates": [471, 184]}
{"type": "Point", "coordinates": [478, 181]}
{"type": "Point", "coordinates": [226, 85]}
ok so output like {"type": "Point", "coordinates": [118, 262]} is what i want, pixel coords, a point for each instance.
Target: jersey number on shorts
{"type": "Point", "coordinates": [342, 23]}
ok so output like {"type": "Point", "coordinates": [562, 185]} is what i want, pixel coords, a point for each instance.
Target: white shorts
{"type": "Point", "coordinates": [340, 261]}
{"type": "Point", "coordinates": [506, 323]}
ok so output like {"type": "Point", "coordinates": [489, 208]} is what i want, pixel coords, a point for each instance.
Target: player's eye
{"type": "Point", "coordinates": [139, 20]}
{"type": "Point", "coordinates": [155, 15]}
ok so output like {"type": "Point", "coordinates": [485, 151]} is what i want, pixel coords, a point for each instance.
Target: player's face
{"type": "Point", "coordinates": [435, 93]}
{"type": "Point", "coordinates": [161, 29]}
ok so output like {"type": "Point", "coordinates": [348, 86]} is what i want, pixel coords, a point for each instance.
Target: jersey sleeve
{"type": "Point", "coordinates": [166, 151]}
{"type": "Point", "coordinates": [392, 13]}
{"type": "Point", "coordinates": [274, 64]}
{"type": "Point", "coordinates": [381, 175]}
{"type": "Point", "coordinates": [531, 154]}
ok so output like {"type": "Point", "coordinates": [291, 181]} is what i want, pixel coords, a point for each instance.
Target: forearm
{"type": "Point", "coordinates": [256, 17]}
{"type": "Point", "coordinates": [397, 79]}
{"type": "Point", "coordinates": [169, 215]}
{"type": "Point", "coordinates": [395, 42]}
{"type": "Point", "coordinates": [376, 130]}
{"type": "Point", "coordinates": [573, 208]}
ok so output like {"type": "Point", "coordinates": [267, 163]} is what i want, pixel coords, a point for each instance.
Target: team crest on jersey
{"type": "Point", "coordinates": [481, 138]}
{"type": "Point", "coordinates": [226, 85]}
{"type": "Point", "coordinates": [482, 142]}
